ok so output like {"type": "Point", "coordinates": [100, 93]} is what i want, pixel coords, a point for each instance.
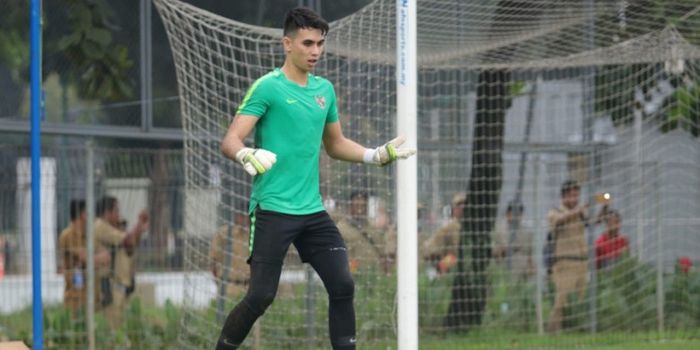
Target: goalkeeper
{"type": "Point", "coordinates": [292, 112]}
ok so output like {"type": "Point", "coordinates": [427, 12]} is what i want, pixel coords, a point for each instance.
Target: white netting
{"type": "Point", "coordinates": [515, 97]}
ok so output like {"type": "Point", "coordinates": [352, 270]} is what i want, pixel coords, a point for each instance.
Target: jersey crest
{"type": "Point", "coordinates": [321, 101]}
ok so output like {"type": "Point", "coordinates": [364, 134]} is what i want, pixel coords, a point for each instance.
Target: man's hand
{"type": "Point", "coordinates": [142, 223]}
{"type": "Point", "coordinates": [256, 161]}
{"type": "Point", "coordinates": [388, 152]}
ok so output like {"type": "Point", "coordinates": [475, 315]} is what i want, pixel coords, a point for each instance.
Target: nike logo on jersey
{"type": "Point", "coordinates": [291, 100]}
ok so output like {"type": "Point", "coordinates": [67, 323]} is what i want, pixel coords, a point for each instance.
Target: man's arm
{"type": "Point", "coordinates": [557, 217]}
{"type": "Point", "coordinates": [339, 147]}
{"type": "Point", "coordinates": [239, 129]}
{"type": "Point", "coordinates": [134, 236]}
{"type": "Point", "coordinates": [254, 161]}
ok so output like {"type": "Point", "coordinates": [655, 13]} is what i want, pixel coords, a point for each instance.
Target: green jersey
{"type": "Point", "coordinates": [291, 123]}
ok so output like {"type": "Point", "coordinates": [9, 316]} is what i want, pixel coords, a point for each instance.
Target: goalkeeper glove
{"type": "Point", "coordinates": [255, 161]}
{"type": "Point", "coordinates": [388, 152]}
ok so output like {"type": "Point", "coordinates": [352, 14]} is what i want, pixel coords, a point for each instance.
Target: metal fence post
{"type": "Point", "coordinates": [90, 234]}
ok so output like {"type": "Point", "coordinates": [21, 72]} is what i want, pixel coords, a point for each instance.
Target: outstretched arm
{"type": "Point", "coordinates": [341, 148]}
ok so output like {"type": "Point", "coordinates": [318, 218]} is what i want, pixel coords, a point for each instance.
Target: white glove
{"type": "Point", "coordinates": [255, 161]}
{"type": "Point", "coordinates": [388, 152]}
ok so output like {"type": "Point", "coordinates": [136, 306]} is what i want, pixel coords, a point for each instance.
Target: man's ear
{"type": "Point", "coordinates": [287, 43]}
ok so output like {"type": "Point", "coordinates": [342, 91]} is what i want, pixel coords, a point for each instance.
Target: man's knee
{"type": "Point", "coordinates": [342, 288]}
{"type": "Point", "coordinates": [259, 301]}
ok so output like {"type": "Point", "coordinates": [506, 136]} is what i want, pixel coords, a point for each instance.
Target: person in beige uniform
{"type": "Point", "coordinates": [570, 269]}
{"type": "Point", "coordinates": [512, 236]}
{"type": "Point", "coordinates": [441, 249]}
{"type": "Point", "coordinates": [233, 240]}
{"type": "Point", "coordinates": [122, 245]}
{"type": "Point", "coordinates": [73, 251]}
{"type": "Point", "coordinates": [368, 246]}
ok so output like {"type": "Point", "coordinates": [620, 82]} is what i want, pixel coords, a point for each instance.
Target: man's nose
{"type": "Point", "coordinates": [316, 50]}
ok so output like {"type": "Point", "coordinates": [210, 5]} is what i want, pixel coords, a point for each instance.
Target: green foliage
{"type": "Point", "coordinates": [614, 90]}
{"type": "Point", "coordinates": [84, 53]}
{"type": "Point", "coordinates": [143, 328]}
{"type": "Point", "coordinates": [615, 84]}
{"type": "Point", "coordinates": [14, 40]}
{"type": "Point", "coordinates": [99, 66]}
{"type": "Point", "coordinates": [684, 110]}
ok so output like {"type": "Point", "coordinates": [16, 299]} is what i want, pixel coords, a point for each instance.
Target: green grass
{"type": "Point", "coordinates": [619, 341]}
{"type": "Point", "coordinates": [626, 300]}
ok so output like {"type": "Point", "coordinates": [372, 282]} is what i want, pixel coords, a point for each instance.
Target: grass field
{"type": "Point", "coordinates": [564, 342]}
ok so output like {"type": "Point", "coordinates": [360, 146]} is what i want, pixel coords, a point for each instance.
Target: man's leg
{"type": "Point", "coordinates": [332, 266]}
{"type": "Point", "coordinates": [563, 285]}
{"type": "Point", "coordinates": [115, 311]}
{"type": "Point", "coordinates": [271, 234]}
{"type": "Point", "coordinates": [264, 279]}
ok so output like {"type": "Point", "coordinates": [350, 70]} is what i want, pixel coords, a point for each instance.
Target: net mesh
{"type": "Point", "coordinates": [515, 97]}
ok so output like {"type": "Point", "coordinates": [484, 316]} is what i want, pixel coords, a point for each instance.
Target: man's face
{"type": "Point", "coordinates": [112, 216]}
{"type": "Point", "coordinates": [458, 209]}
{"type": "Point", "coordinates": [570, 198]}
{"type": "Point", "coordinates": [358, 207]}
{"type": "Point", "coordinates": [613, 223]}
{"type": "Point", "coordinates": [82, 218]}
{"type": "Point", "coordinates": [510, 217]}
{"type": "Point", "coordinates": [304, 48]}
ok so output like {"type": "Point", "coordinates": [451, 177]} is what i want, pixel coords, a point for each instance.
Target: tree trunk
{"type": "Point", "coordinates": [470, 284]}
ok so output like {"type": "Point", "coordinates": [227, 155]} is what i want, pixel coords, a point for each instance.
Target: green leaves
{"type": "Point", "coordinates": [98, 67]}
{"type": "Point", "coordinates": [684, 110]}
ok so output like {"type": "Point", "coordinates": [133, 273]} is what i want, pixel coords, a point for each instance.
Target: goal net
{"type": "Point", "coordinates": [514, 99]}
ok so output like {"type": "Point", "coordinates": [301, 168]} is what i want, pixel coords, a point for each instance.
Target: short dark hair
{"type": "Point", "coordinates": [358, 194]}
{"type": "Point", "coordinates": [514, 207]}
{"type": "Point", "coordinates": [77, 206]}
{"type": "Point", "coordinates": [569, 185]}
{"type": "Point", "coordinates": [107, 203]}
{"type": "Point", "coordinates": [611, 213]}
{"type": "Point", "coordinates": [304, 17]}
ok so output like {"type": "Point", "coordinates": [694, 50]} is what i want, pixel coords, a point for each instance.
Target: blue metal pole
{"type": "Point", "coordinates": [35, 76]}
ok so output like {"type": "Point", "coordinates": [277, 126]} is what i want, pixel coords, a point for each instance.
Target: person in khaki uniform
{"type": "Point", "coordinates": [231, 240]}
{"type": "Point", "coordinates": [516, 242]}
{"type": "Point", "coordinates": [73, 251]}
{"type": "Point", "coordinates": [369, 246]}
{"type": "Point", "coordinates": [570, 269]}
{"type": "Point", "coordinates": [122, 245]}
{"type": "Point", "coordinates": [441, 248]}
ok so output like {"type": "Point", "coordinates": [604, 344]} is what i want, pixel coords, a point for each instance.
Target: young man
{"type": "Point", "coordinates": [612, 244]}
{"type": "Point", "coordinates": [570, 269]}
{"type": "Point", "coordinates": [120, 284]}
{"type": "Point", "coordinates": [507, 240]}
{"type": "Point", "coordinates": [369, 247]}
{"type": "Point", "coordinates": [441, 249]}
{"type": "Point", "coordinates": [231, 241]}
{"type": "Point", "coordinates": [292, 111]}
{"type": "Point", "coordinates": [72, 245]}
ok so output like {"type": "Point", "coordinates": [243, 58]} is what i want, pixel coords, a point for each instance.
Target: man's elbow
{"type": "Point", "coordinates": [331, 149]}
{"type": "Point", "coordinates": [225, 148]}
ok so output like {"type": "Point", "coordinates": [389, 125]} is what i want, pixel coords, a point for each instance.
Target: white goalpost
{"type": "Point", "coordinates": [505, 100]}
{"type": "Point", "coordinates": [407, 113]}
{"type": "Point", "coordinates": [406, 184]}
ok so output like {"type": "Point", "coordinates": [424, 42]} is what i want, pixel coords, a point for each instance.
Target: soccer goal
{"type": "Point", "coordinates": [515, 98]}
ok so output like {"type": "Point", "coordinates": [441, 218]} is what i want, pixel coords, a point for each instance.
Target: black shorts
{"type": "Point", "coordinates": [271, 233]}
